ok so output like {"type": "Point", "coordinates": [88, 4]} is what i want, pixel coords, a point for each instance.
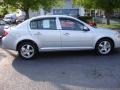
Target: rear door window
{"type": "Point", "coordinates": [44, 24]}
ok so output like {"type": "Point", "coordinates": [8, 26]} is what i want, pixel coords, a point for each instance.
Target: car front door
{"type": "Point", "coordinates": [45, 30]}
{"type": "Point", "coordinates": [73, 36]}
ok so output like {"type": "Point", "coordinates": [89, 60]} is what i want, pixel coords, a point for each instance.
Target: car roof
{"type": "Point", "coordinates": [54, 16]}
{"type": "Point", "coordinates": [50, 16]}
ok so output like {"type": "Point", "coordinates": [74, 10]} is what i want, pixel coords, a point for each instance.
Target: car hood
{"type": "Point", "coordinates": [105, 30]}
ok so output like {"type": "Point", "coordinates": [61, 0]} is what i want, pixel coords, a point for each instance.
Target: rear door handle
{"type": "Point", "coordinates": [66, 34]}
{"type": "Point", "coordinates": [38, 33]}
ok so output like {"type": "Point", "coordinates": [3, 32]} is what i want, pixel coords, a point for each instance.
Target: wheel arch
{"type": "Point", "coordinates": [26, 40]}
{"type": "Point", "coordinates": [105, 38]}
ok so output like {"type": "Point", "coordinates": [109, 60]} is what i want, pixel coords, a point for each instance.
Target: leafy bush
{"type": "Point", "coordinates": [3, 11]}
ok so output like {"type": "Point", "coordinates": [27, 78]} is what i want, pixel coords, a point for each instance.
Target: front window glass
{"type": "Point", "coordinates": [70, 24]}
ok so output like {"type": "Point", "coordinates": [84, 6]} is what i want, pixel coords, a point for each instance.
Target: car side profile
{"type": "Point", "coordinates": [58, 33]}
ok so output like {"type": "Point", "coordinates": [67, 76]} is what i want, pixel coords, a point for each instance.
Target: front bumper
{"type": "Point", "coordinates": [117, 42]}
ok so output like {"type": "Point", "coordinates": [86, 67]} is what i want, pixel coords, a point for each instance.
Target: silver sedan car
{"type": "Point", "coordinates": [58, 33]}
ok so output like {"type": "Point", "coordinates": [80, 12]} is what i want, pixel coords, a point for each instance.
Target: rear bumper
{"type": "Point", "coordinates": [8, 43]}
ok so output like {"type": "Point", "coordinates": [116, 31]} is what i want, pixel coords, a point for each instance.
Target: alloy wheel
{"type": "Point", "coordinates": [104, 47]}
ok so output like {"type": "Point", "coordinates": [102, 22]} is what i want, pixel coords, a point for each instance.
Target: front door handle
{"type": "Point", "coordinates": [66, 34]}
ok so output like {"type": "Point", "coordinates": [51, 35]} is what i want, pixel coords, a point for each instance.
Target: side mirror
{"type": "Point", "coordinates": [86, 28]}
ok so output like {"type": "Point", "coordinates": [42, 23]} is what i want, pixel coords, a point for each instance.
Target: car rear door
{"type": "Point", "coordinates": [46, 32]}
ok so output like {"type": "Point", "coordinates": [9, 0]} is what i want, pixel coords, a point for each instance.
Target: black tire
{"type": "Point", "coordinates": [32, 46]}
{"type": "Point", "coordinates": [108, 50]}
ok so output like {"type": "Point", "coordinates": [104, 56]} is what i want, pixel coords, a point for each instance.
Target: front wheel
{"type": "Point", "coordinates": [27, 50]}
{"type": "Point", "coordinates": [104, 46]}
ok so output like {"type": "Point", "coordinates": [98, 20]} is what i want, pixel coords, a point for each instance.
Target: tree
{"type": "Point", "coordinates": [51, 3]}
{"type": "Point", "coordinates": [3, 8]}
{"type": "Point", "coordinates": [107, 5]}
{"type": "Point", "coordinates": [84, 3]}
{"type": "Point", "coordinates": [26, 5]}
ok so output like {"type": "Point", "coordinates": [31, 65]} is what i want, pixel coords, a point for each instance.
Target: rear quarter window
{"type": "Point", "coordinates": [34, 24]}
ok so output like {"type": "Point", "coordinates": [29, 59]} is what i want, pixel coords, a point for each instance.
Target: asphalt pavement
{"type": "Point", "coordinates": [75, 70]}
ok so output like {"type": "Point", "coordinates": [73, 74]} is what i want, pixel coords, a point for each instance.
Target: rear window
{"type": "Point", "coordinates": [44, 24]}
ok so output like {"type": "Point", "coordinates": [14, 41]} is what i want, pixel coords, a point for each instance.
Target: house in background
{"type": "Point", "coordinates": [20, 15]}
{"type": "Point", "coordinates": [67, 9]}
{"type": "Point", "coordinates": [36, 13]}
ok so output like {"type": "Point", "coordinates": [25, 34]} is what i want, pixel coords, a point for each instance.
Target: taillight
{"type": "Point", "coordinates": [4, 34]}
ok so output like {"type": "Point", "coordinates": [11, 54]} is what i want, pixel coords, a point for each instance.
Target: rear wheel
{"type": "Point", "coordinates": [104, 46]}
{"type": "Point", "coordinates": [27, 50]}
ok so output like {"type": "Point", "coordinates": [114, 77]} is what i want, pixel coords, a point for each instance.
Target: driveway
{"type": "Point", "coordinates": [75, 70]}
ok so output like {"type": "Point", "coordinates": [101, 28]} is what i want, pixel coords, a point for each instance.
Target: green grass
{"type": "Point", "coordinates": [112, 26]}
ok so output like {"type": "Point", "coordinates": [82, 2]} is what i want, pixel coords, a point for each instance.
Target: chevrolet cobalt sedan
{"type": "Point", "coordinates": [58, 33]}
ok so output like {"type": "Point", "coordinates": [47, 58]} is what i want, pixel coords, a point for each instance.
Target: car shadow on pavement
{"type": "Point", "coordinates": [2, 55]}
{"type": "Point", "coordinates": [76, 68]}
